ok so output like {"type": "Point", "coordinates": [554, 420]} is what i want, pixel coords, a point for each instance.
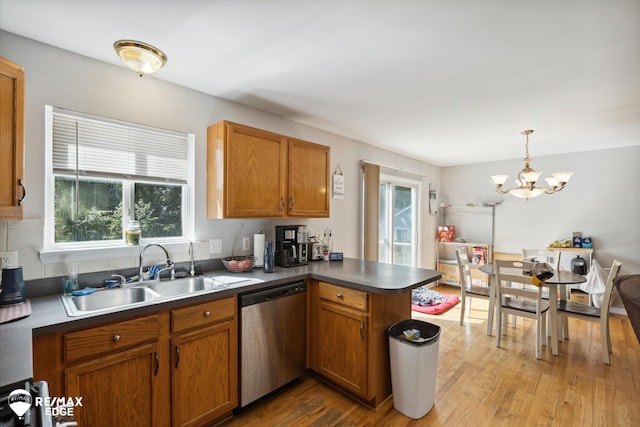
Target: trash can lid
{"type": "Point", "coordinates": [429, 333]}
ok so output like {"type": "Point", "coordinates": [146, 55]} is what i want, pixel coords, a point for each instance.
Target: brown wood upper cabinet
{"type": "Point", "coordinates": [252, 173]}
{"type": "Point", "coordinates": [11, 140]}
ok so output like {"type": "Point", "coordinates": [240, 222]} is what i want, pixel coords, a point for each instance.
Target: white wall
{"type": "Point", "coordinates": [63, 79]}
{"type": "Point", "coordinates": [601, 200]}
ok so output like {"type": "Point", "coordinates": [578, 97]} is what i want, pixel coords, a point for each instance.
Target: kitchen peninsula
{"type": "Point", "coordinates": [350, 305]}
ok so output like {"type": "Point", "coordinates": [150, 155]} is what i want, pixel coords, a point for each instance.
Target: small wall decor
{"type": "Point", "coordinates": [433, 199]}
{"type": "Point", "coordinates": [338, 183]}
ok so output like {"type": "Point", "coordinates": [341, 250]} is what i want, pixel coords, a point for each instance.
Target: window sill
{"type": "Point", "coordinates": [96, 253]}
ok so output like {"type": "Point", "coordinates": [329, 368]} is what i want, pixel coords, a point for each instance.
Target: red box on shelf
{"type": "Point", "coordinates": [446, 233]}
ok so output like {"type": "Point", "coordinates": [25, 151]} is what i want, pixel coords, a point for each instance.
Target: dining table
{"type": "Point", "coordinates": [560, 280]}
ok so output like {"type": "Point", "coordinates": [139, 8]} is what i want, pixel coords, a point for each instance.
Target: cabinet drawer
{"type": "Point", "coordinates": [344, 296]}
{"type": "Point", "coordinates": [111, 338]}
{"type": "Point", "coordinates": [204, 314]}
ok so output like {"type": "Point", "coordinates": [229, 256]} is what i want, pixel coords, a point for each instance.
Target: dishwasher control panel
{"type": "Point", "coordinates": [271, 294]}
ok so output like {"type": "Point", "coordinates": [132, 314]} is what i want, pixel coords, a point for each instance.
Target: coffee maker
{"type": "Point", "coordinates": [291, 246]}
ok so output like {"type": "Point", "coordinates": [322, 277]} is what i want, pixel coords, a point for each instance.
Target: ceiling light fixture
{"type": "Point", "coordinates": [140, 57]}
{"type": "Point", "coordinates": [527, 177]}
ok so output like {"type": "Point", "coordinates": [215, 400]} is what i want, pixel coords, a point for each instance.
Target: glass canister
{"type": "Point", "coordinates": [268, 257]}
{"type": "Point", "coordinates": [133, 233]}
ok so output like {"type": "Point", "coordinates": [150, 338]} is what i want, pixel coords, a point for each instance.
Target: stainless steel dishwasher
{"type": "Point", "coordinates": [272, 339]}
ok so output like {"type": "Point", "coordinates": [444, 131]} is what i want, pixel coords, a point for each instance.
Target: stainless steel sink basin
{"type": "Point", "coordinates": [108, 299]}
{"type": "Point", "coordinates": [136, 294]}
{"type": "Point", "coordinates": [179, 286]}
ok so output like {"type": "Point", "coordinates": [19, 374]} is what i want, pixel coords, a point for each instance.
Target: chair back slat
{"type": "Point", "coordinates": [509, 272]}
{"type": "Point", "coordinates": [608, 287]}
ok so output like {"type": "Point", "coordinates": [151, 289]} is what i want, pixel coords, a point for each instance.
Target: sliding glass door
{"type": "Point", "coordinates": [398, 222]}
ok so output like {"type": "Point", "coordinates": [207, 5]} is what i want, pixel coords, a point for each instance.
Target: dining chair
{"type": "Point", "coordinates": [469, 290]}
{"type": "Point", "coordinates": [552, 258]}
{"type": "Point", "coordinates": [522, 301]}
{"type": "Point", "coordinates": [601, 315]}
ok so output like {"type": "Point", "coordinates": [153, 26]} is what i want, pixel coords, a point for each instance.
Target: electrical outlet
{"type": "Point", "coordinates": [215, 246]}
{"type": "Point", "coordinates": [9, 259]}
{"type": "Point", "coordinates": [245, 244]}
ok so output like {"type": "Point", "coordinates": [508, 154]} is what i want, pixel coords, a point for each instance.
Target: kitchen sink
{"type": "Point", "coordinates": [136, 294]}
{"type": "Point", "coordinates": [108, 299]}
{"type": "Point", "coordinates": [179, 286]}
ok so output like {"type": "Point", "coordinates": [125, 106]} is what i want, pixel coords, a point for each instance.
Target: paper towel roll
{"type": "Point", "coordinates": [258, 249]}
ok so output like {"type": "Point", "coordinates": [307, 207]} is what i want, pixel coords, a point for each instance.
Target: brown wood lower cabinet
{"type": "Point", "coordinates": [348, 340]}
{"type": "Point", "coordinates": [342, 347]}
{"type": "Point", "coordinates": [205, 362]}
{"type": "Point", "coordinates": [177, 367]}
{"type": "Point", "coordinates": [121, 389]}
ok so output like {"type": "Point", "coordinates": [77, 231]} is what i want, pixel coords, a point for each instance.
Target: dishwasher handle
{"type": "Point", "coordinates": [272, 294]}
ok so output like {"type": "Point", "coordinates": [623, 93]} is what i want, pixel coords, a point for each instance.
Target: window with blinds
{"type": "Point", "coordinates": [101, 148]}
{"type": "Point", "coordinates": [105, 173]}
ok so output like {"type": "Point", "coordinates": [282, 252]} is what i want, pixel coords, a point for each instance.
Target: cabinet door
{"type": "Point", "coordinates": [11, 139]}
{"type": "Point", "coordinates": [122, 389]}
{"type": "Point", "coordinates": [343, 346]}
{"type": "Point", "coordinates": [248, 172]}
{"type": "Point", "coordinates": [205, 374]}
{"type": "Point", "coordinates": [308, 179]}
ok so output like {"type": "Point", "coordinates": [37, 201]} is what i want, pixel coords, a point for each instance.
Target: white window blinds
{"type": "Point", "coordinates": [97, 147]}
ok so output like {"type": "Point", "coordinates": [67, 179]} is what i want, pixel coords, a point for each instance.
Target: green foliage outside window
{"type": "Point", "coordinates": [98, 215]}
{"type": "Point", "coordinates": [159, 209]}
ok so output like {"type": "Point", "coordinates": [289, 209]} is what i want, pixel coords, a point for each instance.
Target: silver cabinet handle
{"type": "Point", "coordinates": [207, 313]}
{"type": "Point", "coordinates": [157, 357]}
{"type": "Point", "coordinates": [340, 296]}
{"type": "Point", "coordinates": [361, 331]}
{"type": "Point", "coordinates": [177, 356]}
{"type": "Point", "coordinates": [290, 202]}
{"type": "Point", "coordinates": [116, 338]}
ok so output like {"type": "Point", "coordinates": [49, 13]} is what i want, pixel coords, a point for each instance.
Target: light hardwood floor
{"type": "Point", "coordinates": [478, 384]}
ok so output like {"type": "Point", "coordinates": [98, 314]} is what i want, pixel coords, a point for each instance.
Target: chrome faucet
{"type": "Point", "coordinates": [192, 272]}
{"type": "Point", "coordinates": [169, 266]}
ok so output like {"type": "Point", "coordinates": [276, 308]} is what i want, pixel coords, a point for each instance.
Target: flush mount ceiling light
{"type": "Point", "coordinates": [140, 57]}
{"type": "Point", "coordinates": [527, 177]}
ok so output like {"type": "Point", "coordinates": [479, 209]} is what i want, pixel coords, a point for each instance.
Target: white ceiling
{"type": "Point", "coordinates": [448, 82]}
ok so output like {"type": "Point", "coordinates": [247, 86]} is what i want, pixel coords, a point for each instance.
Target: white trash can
{"type": "Point", "coordinates": [414, 363]}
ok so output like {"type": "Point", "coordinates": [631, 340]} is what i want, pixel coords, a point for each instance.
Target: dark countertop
{"type": "Point", "coordinates": [48, 313]}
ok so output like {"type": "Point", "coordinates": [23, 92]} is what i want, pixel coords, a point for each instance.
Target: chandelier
{"type": "Point", "coordinates": [140, 57]}
{"type": "Point", "coordinates": [527, 177]}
